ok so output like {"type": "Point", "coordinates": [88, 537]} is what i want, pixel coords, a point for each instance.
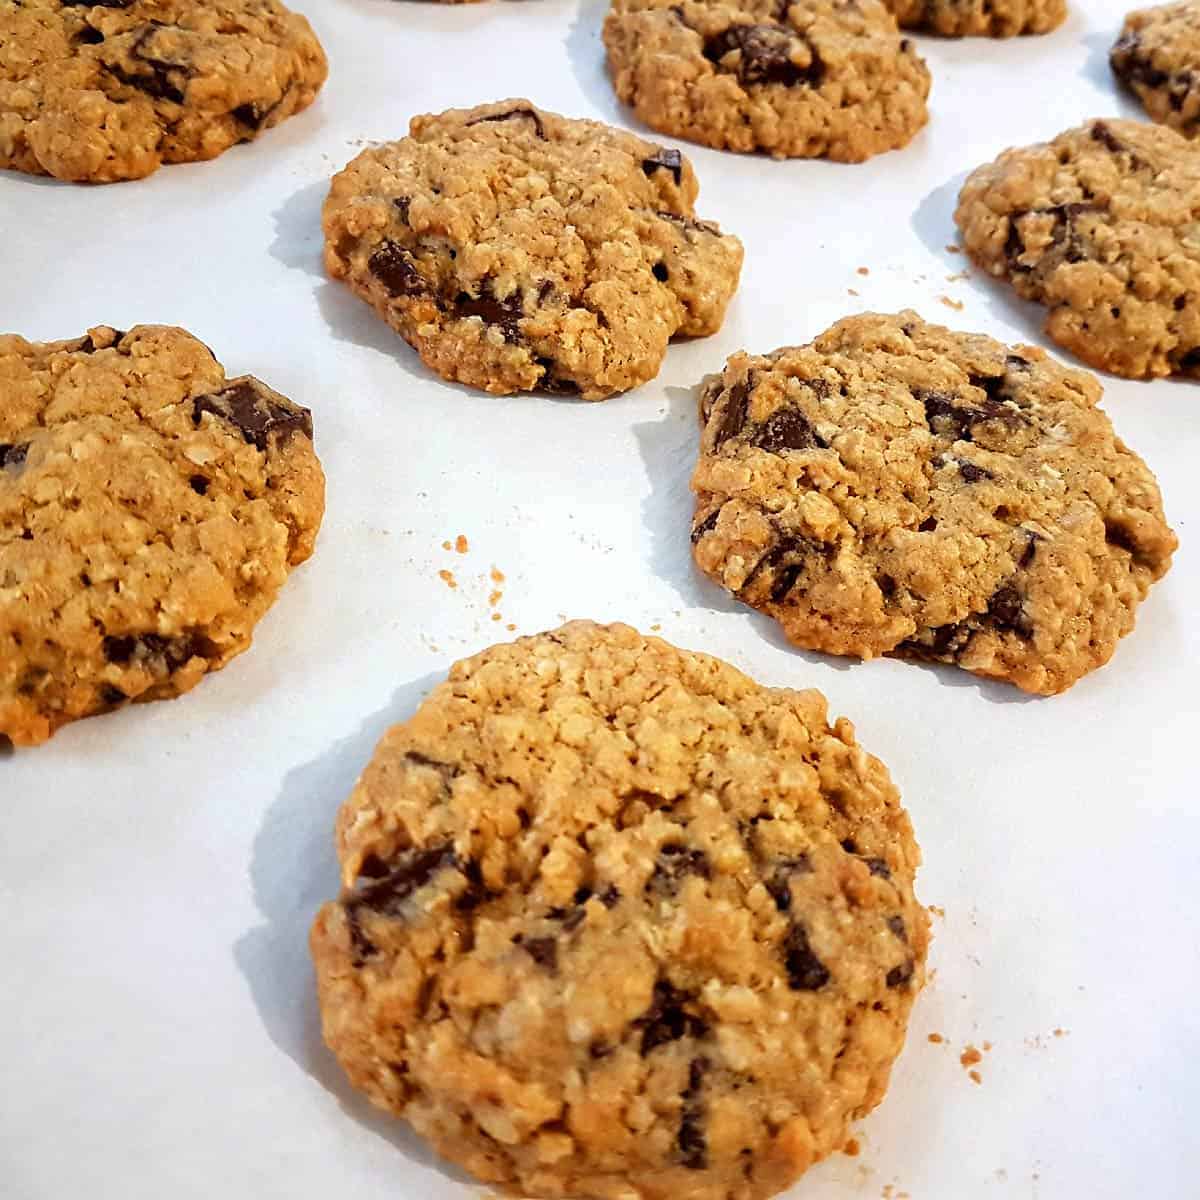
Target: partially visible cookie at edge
{"type": "Point", "coordinates": [1157, 57]}
{"type": "Point", "coordinates": [109, 91]}
{"type": "Point", "coordinates": [519, 250]}
{"type": "Point", "coordinates": [817, 78]}
{"type": "Point", "coordinates": [895, 487]}
{"type": "Point", "coordinates": [980, 18]}
{"type": "Point", "coordinates": [1099, 225]}
{"type": "Point", "coordinates": [617, 921]}
{"type": "Point", "coordinates": [150, 511]}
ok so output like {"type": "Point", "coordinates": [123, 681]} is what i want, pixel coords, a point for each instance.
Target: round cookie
{"type": "Point", "coordinates": [899, 488]}
{"type": "Point", "coordinates": [110, 90]}
{"type": "Point", "coordinates": [1100, 226]}
{"type": "Point", "coordinates": [515, 249]}
{"type": "Point", "coordinates": [980, 18]}
{"type": "Point", "coordinates": [817, 78]}
{"type": "Point", "coordinates": [1157, 57]}
{"type": "Point", "coordinates": [150, 510]}
{"type": "Point", "coordinates": [617, 922]}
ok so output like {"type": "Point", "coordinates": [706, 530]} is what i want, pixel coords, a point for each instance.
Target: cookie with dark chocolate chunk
{"type": "Point", "coordinates": [106, 91]}
{"type": "Point", "coordinates": [595, 874]}
{"type": "Point", "coordinates": [815, 78]}
{"type": "Point", "coordinates": [150, 511]}
{"type": "Point", "coordinates": [517, 250]}
{"type": "Point", "coordinates": [939, 495]}
{"type": "Point", "coordinates": [1157, 57]}
{"type": "Point", "coordinates": [1100, 226]}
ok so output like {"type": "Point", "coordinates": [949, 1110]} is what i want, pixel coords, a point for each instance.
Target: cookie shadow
{"type": "Point", "coordinates": [298, 239]}
{"type": "Point", "coordinates": [585, 50]}
{"type": "Point", "coordinates": [294, 870]}
{"type": "Point", "coordinates": [1098, 70]}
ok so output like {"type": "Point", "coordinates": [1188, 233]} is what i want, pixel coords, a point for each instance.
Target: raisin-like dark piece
{"type": "Point", "coordinates": [805, 971]}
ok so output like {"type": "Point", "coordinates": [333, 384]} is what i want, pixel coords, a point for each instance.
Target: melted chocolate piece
{"type": "Point", "coordinates": [779, 884]}
{"type": "Point", "coordinates": [898, 976]}
{"type": "Point", "coordinates": [573, 917]}
{"type": "Point", "coordinates": [765, 56]}
{"type": "Point", "coordinates": [13, 454]}
{"type": "Point", "coordinates": [555, 384]}
{"type": "Point", "coordinates": [973, 474]}
{"type": "Point", "coordinates": [477, 892]}
{"type": "Point", "coordinates": [89, 36]}
{"type": "Point", "coordinates": [396, 269]}
{"type": "Point", "coordinates": [805, 971]}
{"type": "Point", "coordinates": [692, 1142]}
{"type": "Point", "coordinates": [1065, 235]}
{"type": "Point", "coordinates": [1103, 134]}
{"type": "Point", "coordinates": [1005, 611]}
{"type": "Point", "coordinates": [706, 526]}
{"type": "Point", "coordinates": [161, 655]}
{"type": "Point", "coordinates": [787, 429]}
{"type": "Point", "coordinates": [878, 866]}
{"type": "Point", "coordinates": [521, 111]}
{"type": "Point", "coordinates": [1030, 551]}
{"type": "Point", "coordinates": [1191, 360]}
{"type": "Point", "coordinates": [665, 160]}
{"type": "Point", "coordinates": [1138, 69]}
{"type": "Point", "coordinates": [252, 116]}
{"type": "Point", "coordinates": [666, 1020]}
{"type": "Point", "coordinates": [733, 416]}
{"type": "Point", "coordinates": [255, 413]}
{"type": "Point", "coordinates": [787, 560]}
{"type": "Point", "coordinates": [956, 421]}
{"type": "Point", "coordinates": [505, 313]}
{"type": "Point", "coordinates": [543, 950]}
{"type": "Point", "coordinates": [896, 925]}
{"type": "Point", "coordinates": [675, 864]}
{"type": "Point", "coordinates": [157, 81]}
{"type": "Point", "coordinates": [660, 272]}
{"type": "Point", "coordinates": [111, 697]}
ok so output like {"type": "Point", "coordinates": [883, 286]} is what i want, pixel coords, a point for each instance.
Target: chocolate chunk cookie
{"type": "Point", "coordinates": [980, 18]}
{"type": "Point", "coordinates": [150, 510]}
{"type": "Point", "coordinates": [817, 78]}
{"type": "Point", "coordinates": [517, 250]}
{"type": "Point", "coordinates": [1157, 56]}
{"type": "Point", "coordinates": [109, 90]}
{"type": "Point", "coordinates": [898, 488]}
{"type": "Point", "coordinates": [616, 921]}
{"type": "Point", "coordinates": [1102, 225]}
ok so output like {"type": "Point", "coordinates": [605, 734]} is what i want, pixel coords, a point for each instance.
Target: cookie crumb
{"type": "Point", "coordinates": [957, 305]}
{"type": "Point", "coordinates": [951, 248]}
{"type": "Point", "coordinates": [448, 578]}
{"type": "Point", "coordinates": [864, 270]}
{"type": "Point", "coordinates": [511, 628]}
{"type": "Point", "coordinates": [974, 1076]}
{"type": "Point", "coordinates": [852, 1148]}
{"type": "Point", "coordinates": [970, 1056]}
{"type": "Point", "coordinates": [447, 545]}
{"type": "Point", "coordinates": [937, 910]}
{"type": "Point", "coordinates": [851, 291]}
{"type": "Point", "coordinates": [497, 617]}
{"type": "Point", "coordinates": [461, 544]}
{"type": "Point", "coordinates": [936, 1038]}
{"type": "Point", "coordinates": [1061, 1033]}
{"type": "Point", "coordinates": [494, 598]}
{"type": "Point", "coordinates": [497, 575]}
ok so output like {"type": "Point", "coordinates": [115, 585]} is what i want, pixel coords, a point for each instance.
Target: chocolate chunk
{"type": "Point", "coordinates": [543, 951]}
{"type": "Point", "coordinates": [248, 405]}
{"type": "Point", "coordinates": [396, 269]}
{"type": "Point", "coordinates": [667, 1020]}
{"type": "Point", "coordinates": [878, 866]}
{"type": "Point", "coordinates": [849, 845]}
{"type": "Point", "coordinates": [1191, 360]}
{"type": "Point", "coordinates": [665, 160]}
{"type": "Point", "coordinates": [706, 526]}
{"type": "Point", "coordinates": [887, 585]}
{"type": "Point", "coordinates": [692, 1142]}
{"type": "Point", "coordinates": [521, 111]}
{"type": "Point", "coordinates": [158, 654]}
{"type": "Point", "coordinates": [928, 525]}
{"type": "Point", "coordinates": [477, 892]}
{"type": "Point", "coordinates": [896, 925]}
{"type": "Point", "coordinates": [373, 867]}
{"type": "Point", "coordinates": [111, 697]}
{"type": "Point", "coordinates": [675, 864]}
{"type": "Point", "coordinates": [1030, 551]}
{"type": "Point", "coordinates": [506, 312]}
{"type": "Point", "coordinates": [1006, 612]}
{"type": "Point", "coordinates": [159, 80]}
{"type": "Point", "coordinates": [199, 485]}
{"type": "Point", "coordinates": [573, 917]}
{"type": "Point", "coordinates": [778, 884]}
{"type": "Point", "coordinates": [898, 976]}
{"type": "Point", "coordinates": [89, 36]}
{"type": "Point", "coordinates": [787, 429]}
{"type": "Point", "coordinates": [554, 383]}
{"type": "Point", "coordinates": [805, 971]}
{"type": "Point", "coordinates": [96, 3]}
{"type": "Point", "coordinates": [1065, 235]}
{"type": "Point", "coordinates": [13, 454]}
{"type": "Point", "coordinates": [733, 415]}
{"type": "Point", "coordinates": [973, 474]}
{"type": "Point", "coordinates": [1131, 65]}
{"type": "Point", "coordinates": [410, 871]}
{"type": "Point", "coordinates": [660, 272]}
{"type": "Point", "coordinates": [446, 770]}
{"type": "Point", "coordinates": [1102, 133]}
{"type": "Point", "coordinates": [765, 56]}
{"type": "Point", "coordinates": [402, 205]}
{"type": "Point", "coordinates": [251, 116]}
{"type": "Point", "coordinates": [786, 560]}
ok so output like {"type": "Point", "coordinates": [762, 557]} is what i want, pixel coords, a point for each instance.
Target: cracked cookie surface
{"type": "Point", "coordinates": [980, 18]}
{"type": "Point", "coordinates": [109, 91]}
{"type": "Point", "coordinates": [1102, 226]}
{"type": "Point", "coordinates": [1157, 57]}
{"type": "Point", "coordinates": [516, 250]}
{"type": "Point", "coordinates": [818, 78]}
{"type": "Point", "coordinates": [617, 922]}
{"type": "Point", "coordinates": [150, 510]}
{"type": "Point", "coordinates": [899, 488]}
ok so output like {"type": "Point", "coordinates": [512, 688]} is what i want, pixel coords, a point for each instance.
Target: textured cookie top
{"type": "Point", "coordinates": [896, 486]}
{"type": "Point", "coordinates": [618, 921]}
{"type": "Point", "coordinates": [517, 249]}
{"type": "Point", "coordinates": [1158, 57]}
{"type": "Point", "coordinates": [1102, 225]}
{"type": "Point", "coordinates": [980, 18]}
{"type": "Point", "coordinates": [815, 78]}
{"type": "Point", "coordinates": [108, 91]}
{"type": "Point", "coordinates": [149, 511]}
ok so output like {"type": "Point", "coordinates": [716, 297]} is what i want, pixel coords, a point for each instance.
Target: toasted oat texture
{"type": "Point", "coordinates": [515, 249]}
{"type": "Point", "coordinates": [1101, 225]}
{"type": "Point", "coordinates": [617, 923]}
{"type": "Point", "coordinates": [980, 18]}
{"type": "Point", "coordinates": [109, 90]}
{"type": "Point", "coordinates": [150, 510]}
{"type": "Point", "coordinates": [1157, 56]}
{"type": "Point", "coordinates": [817, 78]}
{"type": "Point", "coordinates": [899, 488]}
